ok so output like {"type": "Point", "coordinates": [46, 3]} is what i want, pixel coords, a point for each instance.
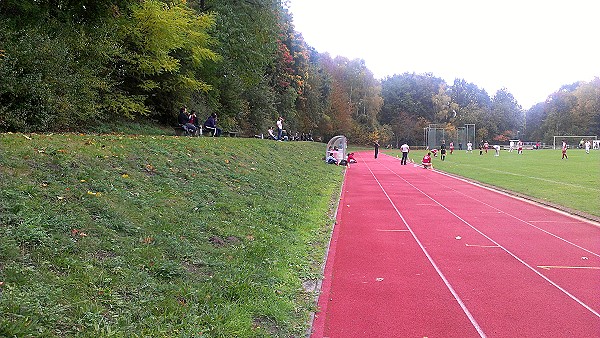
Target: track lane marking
{"type": "Point", "coordinates": [515, 217]}
{"type": "Point", "coordinates": [548, 267]}
{"type": "Point", "coordinates": [571, 222]}
{"type": "Point", "coordinates": [573, 297]}
{"type": "Point", "coordinates": [432, 262]}
{"type": "Point", "coordinates": [482, 246]}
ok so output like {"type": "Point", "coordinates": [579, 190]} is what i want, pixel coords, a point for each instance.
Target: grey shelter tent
{"type": "Point", "coordinates": [337, 146]}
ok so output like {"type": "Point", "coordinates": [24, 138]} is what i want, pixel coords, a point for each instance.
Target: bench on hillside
{"type": "Point", "coordinates": [182, 131]}
{"type": "Point", "coordinates": [210, 130]}
{"type": "Point", "coordinates": [232, 133]}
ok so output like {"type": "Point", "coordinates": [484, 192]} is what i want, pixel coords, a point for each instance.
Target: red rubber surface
{"type": "Point", "coordinates": [416, 253]}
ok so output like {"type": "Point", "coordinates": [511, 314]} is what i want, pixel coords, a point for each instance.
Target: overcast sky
{"type": "Point", "coordinates": [530, 47]}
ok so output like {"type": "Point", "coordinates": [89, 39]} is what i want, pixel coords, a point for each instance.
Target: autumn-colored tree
{"type": "Point", "coordinates": [586, 112]}
{"type": "Point", "coordinates": [572, 110]}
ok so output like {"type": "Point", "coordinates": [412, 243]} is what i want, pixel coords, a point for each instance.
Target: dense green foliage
{"type": "Point", "coordinates": [154, 236]}
{"type": "Point", "coordinates": [572, 183]}
{"type": "Point", "coordinates": [72, 64]}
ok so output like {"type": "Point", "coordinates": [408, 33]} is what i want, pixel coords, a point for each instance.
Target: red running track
{"type": "Point", "coordinates": [417, 253]}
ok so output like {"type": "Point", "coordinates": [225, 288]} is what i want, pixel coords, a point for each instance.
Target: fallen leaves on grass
{"type": "Point", "coordinates": [147, 240]}
{"type": "Point", "coordinates": [150, 170]}
{"type": "Point", "coordinates": [77, 232]}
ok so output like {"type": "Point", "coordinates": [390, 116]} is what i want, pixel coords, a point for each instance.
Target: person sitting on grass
{"type": "Point", "coordinates": [331, 159]}
{"type": "Point", "coordinates": [426, 162]}
{"type": "Point", "coordinates": [272, 134]}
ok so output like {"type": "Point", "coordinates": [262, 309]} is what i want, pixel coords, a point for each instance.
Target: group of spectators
{"type": "Point", "coordinates": [191, 125]}
{"type": "Point", "coordinates": [282, 134]}
{"type": "Point", "coordinates": [336, 156]}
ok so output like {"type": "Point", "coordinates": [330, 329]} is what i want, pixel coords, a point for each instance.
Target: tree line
{"type": "Point", "coordinates": [69, 64]}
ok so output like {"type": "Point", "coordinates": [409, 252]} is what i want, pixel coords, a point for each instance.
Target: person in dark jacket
{"type": "Point", "coordinates": [184, 121]}
{"type": "Point", "coordinates": [211, 124]}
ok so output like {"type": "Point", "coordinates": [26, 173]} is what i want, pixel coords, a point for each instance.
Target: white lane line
{"type": "Point", "coordinates": [519, 219]}
{"type": "Point", "coordinates": [482, 246]}
{"type": "Point", "coordinates": [437, 269]}
{"type": "Point", "coordinates": [503, 248]}
{"type": "Point", "coordinates": [539, 205]}
{"type": "Point", "coordinates": [548, 267]}
{"type": "Point", "coordinates": [561, 222]}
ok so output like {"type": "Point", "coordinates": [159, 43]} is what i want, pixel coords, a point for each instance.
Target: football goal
{"type": "Point", "coordinates": [573, 140]}
{"type": "Point", "coordinates": [435, 134]}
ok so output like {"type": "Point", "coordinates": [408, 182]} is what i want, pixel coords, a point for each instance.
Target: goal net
{"type": "Point", "coordinates": [435, 134]}
{"type": "Point", "coordinates": [573, 141]}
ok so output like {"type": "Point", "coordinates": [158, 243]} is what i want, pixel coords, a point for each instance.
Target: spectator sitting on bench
{"type": "Point", "coordinates": [194, 119]}
{"type": "Point", "coordinates": [184, 121]}
{"type": "Point", "coordinates": [211, 124]}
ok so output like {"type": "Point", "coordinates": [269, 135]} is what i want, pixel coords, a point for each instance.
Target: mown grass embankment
{"type": "Point", "coordinates": [156, 236]}
{"type": "Point", "coordinates": [541, 174]}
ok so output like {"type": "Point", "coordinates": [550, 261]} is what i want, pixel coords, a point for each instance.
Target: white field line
{"type": "Point", "coordinates": [437, 269]}
{"type": "Point", "coordinates": [501, 247]}
{"type": "Point", "coordinates": [535, 178]}
{"type": "Point", "coordinates": [573, 222]}
{"type": "Point", "coordinates": [517, 218]}
{"type": "Point", "coordinates": [581, 219]}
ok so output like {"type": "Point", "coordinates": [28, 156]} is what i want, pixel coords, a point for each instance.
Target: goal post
{"type": "Point", "coordinates": [577, 138]}
{"type": "Point", "coordinates": [435, 134]}
{"type": "Point", "coordinates": [469, 133]}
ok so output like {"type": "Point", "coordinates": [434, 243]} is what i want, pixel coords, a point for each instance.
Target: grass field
{"type": "Point", "coordinates": [160, 236]}
{"type": "Point", "coordinates": [572, 183]}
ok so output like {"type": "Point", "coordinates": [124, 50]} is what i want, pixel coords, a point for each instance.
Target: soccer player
{"type": "Point", "coordinates": [587, 146]}
{"type": "Point", "coordinates": [426, 162]}
{"type": "Point", "coordinates": [443, 150]}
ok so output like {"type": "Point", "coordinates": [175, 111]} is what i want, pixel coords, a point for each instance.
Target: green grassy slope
{"type": "Point", "coordinates": [572, 183]}
{"type": "Point", "coordinates": [156, 236]}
